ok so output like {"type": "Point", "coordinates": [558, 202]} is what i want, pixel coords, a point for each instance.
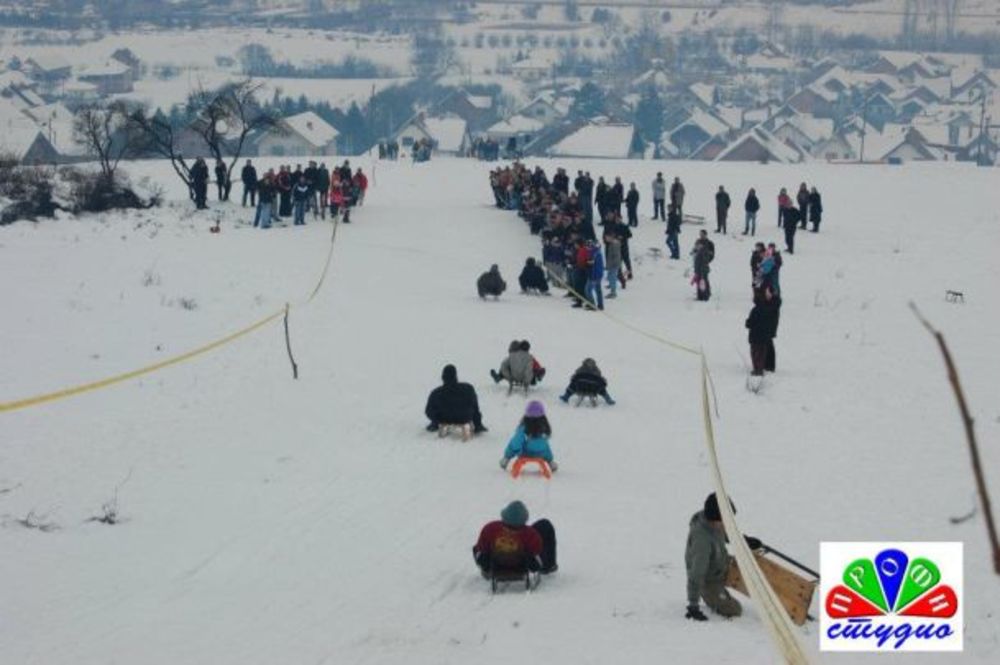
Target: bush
{"type": "Point", "coordinates": [30, 190]}
{"type": "Point", "coordinates": [92, 192]}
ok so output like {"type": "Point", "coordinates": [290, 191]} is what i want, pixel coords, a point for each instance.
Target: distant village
{"type": "Point", "coordinates": [892, 107]}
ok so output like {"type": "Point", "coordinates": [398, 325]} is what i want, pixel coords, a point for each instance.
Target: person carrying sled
{"type": "Point", "coordinates": [510, 541]}
{"type": "Point", "coordinates": [704, 254]}
{"type": "Point", "coordinates": [531, 438]}
{"type": "Point", "coordinates": [532, 277]}
{"type": "Point", "coordinates": [490, 283]}
{"type": "Point", "coordinates": [707, 563]}
{"type": "Point", "coordinates": [587, 380]}
{"type": "Point", "coordinates": [453, 403]}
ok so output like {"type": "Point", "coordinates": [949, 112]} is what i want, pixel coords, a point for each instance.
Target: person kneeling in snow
{"type": "Point", "coordinates": [533, 278]}
{"type": "Point", "coordinates": [510, 537]}
{"type": "Point", "coordinates": [587, 380]}
{"type": "Point", "coordinates": [708, 562]}
{"type": "Point", "coordinates": [531, 438]}
{"type": "Point", "coordinates": [453, 403]}
{"type": "Point", "coordinates": [490, 283]}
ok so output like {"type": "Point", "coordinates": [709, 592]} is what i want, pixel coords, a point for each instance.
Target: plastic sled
{"type": "Point", "coordinates": [543, 466]}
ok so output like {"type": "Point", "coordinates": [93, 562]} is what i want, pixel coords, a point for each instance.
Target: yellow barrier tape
{"type": "Point", "coordinates": [175, 360]}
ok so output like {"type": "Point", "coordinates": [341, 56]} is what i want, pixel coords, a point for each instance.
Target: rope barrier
{"type": "Point", "coordinates": [175, 360]}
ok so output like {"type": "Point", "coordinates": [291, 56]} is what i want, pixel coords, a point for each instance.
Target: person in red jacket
{"type": "Point", "coordinates": [360, 182]}
{"type": "Point", "coordinates": [511, 539]}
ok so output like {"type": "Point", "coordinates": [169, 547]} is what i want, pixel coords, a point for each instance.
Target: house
{"type": "Point", "coordinates": [47, 69]}
{"type": "Point", "coordinates": [878, 109]}
{"type": "Point", "coordinates": [710, 149]}
{"type": "Point", "coordinates": [531, 69]}
{"type": "Point", "coordinates": [543, 109]}
{"type": "Point", "coordinates": [56, 123]}
{"type": "Point", "coordinates": [78, 93]}
{"type": "Point", "coordinates": [703, 93]}
{"type": "Point", "coordinates": [19, 90]}
{"type": "Point", "coordinates": [814, 100]}
{"type": "Point", "coordinates": [448, 134]}
{"type": "Point", "coordinates": [695, 130]}
{"type": "Point", "coordinates": [973, 87]}
{"type": "Point", "coordinates": [304, 134]}
{"type": "Point", "coordinates": [769, 59]}
{"type": "Point", "coordinates": [803, 131]}
{"type": "Point", "coordinates": [611, 140]}
{"type": "Point", "coordinates": [125, 56]}
{"type": "Point", "coordinates": [893, 62]}
{"type": "Point", "coordinates": [477, 111]}
{"type": "Point", "coordinates": [835, 149]}
{"type": "Point", "coordinates": [759, 145]}
{"type": "Point", "coordinates": [515, 132]}
{"type": "Point", "coordinates": [910, 148]}
{"type": "Point", "coordinates": [110, 79]}
{"type": "Point", "coordinates": [21, 138]}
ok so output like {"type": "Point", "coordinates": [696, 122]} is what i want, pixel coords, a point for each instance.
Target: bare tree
{"type": "Point", "coordinates": [225, 119]}
{"type": "Point", "coordinates": [105, 132]}
{"type": "Point", "coordinates": [159, 137]}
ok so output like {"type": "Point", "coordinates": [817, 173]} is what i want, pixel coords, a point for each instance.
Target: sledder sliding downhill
{"type": "Point", "coordinates": [509, 550]}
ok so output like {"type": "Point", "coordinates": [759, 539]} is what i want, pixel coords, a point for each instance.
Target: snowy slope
{"type": "Point", "coordinates": [268, 520]}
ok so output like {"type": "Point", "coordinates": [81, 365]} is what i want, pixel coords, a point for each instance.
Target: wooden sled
{"type": "Point", "coordinates": [503, 575]}
{"type": "Point", "coordinates": [794, 591]}
{"type": "Point", "coordinates": [590, 397]}
{"type": "Point", "coordinates": [511, 385]}
{"type": "Point", "coordinates": [692, 219]}
{"type": "Point", "coordinates": [954, 296]}
{"type": "Point", "coordinates": [464, 430]}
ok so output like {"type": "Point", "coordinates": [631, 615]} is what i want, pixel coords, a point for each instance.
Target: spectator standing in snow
{"type": "Point", "coordinates": [784, 202]}
{"type": "Point", "coordinates": [248, 176]}
{"type": "Point", "coordinates": [616, 195]}
{"type": "Point", "coordinates": [790, 220]}
{"type": "Point", "coordinates": [707, 562]}
{"type": "Point", "coordinates": [673, 230]}
{"type": "Point", "coordinates": [265, 201]}
{"type": "Point", "coordinates": [802, 198]}
{"type": "Point", "coordinates": [595, 263]}
{"type": "Point", "coordinates": [761, 324]}
{"type": "Point", "coordinates": [751, 206]}
{"type": "Point", "coordinates": [677, 196]}
{"type": "Point", "coordinates": [659, 197]}
{"type": "Point", "coordinates": [613, 262]}
{"type": "Point", "coordinates": [453, 403]}
{"type": "Point", "coordinates": [285, 185]}
{"type": "Point", "coordinates": [301, 194]}
{"type": "Point", "coordinates": [722, 203]}
{"type": "Point", "coordinates": [704, 254]}
{"type": "Point", "coordinates": [511, 539]}
{"type": "Point", "coordinates": [632, 205]}
{"type": "Point", "coordinates": [199, 182]}
{"type": "Point", "coordinates": [322, 189]}
{"type": "Point", "coordinates": [222, 179]}
{"type": "Point", "coordinates": [815, 209]}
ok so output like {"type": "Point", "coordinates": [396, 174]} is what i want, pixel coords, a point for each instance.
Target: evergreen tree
{"type": "Point", "coordinates": [649, 115]}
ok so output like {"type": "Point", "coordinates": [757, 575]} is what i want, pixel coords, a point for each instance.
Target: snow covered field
{"type": "Point", "coordinates": [272, 521]}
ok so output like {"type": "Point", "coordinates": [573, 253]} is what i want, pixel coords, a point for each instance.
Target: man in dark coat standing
{"type": "Point", "coordinates": [632, 205]}
{"type": "Point", "coordinates": [722, 203]}
{"type": "Point", "coordinates": [199, 182]}
{"type": "Point", "coordinates": [248, 176]}
{"type": "Point", "coordinates": [761, 324]}
{"type": "Point", "coordinates": [453, 403]}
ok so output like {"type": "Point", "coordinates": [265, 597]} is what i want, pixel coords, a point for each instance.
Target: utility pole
{"type": "Point", "coordinates": [864, 130]}
{"type": "Point", "coordinates": [982, 132]}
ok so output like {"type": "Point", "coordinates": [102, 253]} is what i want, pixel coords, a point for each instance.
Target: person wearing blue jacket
{"type": "Point", "coordinates": [596, 264]}
{"type": "Point", "coordinates": [531, 438]}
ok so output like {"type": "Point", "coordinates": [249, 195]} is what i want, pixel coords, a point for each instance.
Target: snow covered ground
{"type": "Point", "coordinates": [267, 520]}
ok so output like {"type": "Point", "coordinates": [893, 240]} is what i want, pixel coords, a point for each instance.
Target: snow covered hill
{"type": "Point", "coordinates": [266, 520]}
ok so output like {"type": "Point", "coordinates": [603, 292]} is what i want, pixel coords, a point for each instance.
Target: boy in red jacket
{"type": "Point", "coordinates": [510, 538]}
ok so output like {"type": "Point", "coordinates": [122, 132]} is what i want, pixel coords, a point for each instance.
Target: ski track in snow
{"type": "Point", "coordinates": [270, 520]}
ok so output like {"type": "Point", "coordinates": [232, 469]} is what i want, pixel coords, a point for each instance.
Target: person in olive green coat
{"type": "Point", "coordinates": [707, 563]}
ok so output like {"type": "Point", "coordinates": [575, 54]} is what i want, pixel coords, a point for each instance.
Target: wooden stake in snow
{"type": "Point", "coordinates": [970, 435]}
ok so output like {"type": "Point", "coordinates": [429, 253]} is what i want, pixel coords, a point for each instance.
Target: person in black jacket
{"type": "Point", "coordinates": [751, 207]}
{"type": "Point", "coordinates": [601, 197]}
{"type": "Point", "coordinates": [222, 179]}
{"type": "Point", "coordinates": [199, 182]}
{"type": "Point", "coordinates": [790, 217]}
{"type": "Point", "coordinates": [491, 283]}
{"type": "Point", "coordinates": [587, 380]}
{"type": "Point", "coordinates": [761, 325]}
{"type": "Point", "coordinates": [533, 277]}
{"type": "Point", "coordinates": [248, 176]}
{"type": "Point", "coordinates": [722, 203]}
{"type": "Point", "coordinates": [322, 188]}
{"type": "Point", "coordinates": [802, 198]}
{"type": "Point", "coordinates": [673, 230]}
{"type": "Point", "coordinates": [632, 205]}
{"type": "Point", "coordinates": [815, 209]}
{"type": "Point", "coordinates": [453, 403]}
{"type": "Point", "coordinates": [616, 194]}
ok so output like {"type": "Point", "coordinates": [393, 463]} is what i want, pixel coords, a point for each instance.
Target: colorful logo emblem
{"type": "Point", "coordinates": [891, 596]}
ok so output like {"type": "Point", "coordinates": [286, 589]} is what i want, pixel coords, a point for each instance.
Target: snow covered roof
{"type": "Point", "coordinates": [779, 150]}
{"type": "Point", "coordinates": [76, 86]}
{"type": "Point", "coordinates": [707, 122]}
{"type": "Point", "coordinates": [900, 59]}
{"type": "Point", "coordinates": [704, 92]}
{"type": "Point", "coordinates": [480, 101]}
{"type": "Point", "coordinates": [17, 131]}
{"type": "Point", "coordinates": [815, 129]}
{"type": "Point", "coordinates": [316, 131]}
{"type": "Point", "coordinates": [654, 77]}
{"type": "Point", "coordinates": [56, 123]}
{"type": "Point", "coordinates": [610, 141]}
{"type": "Point", "coordinates": [48, 61]}
{"type": "Point", "coordinates": [517, 124]}
{"type": "Point", "coordinates": [105, 69]}
{"type": "Point", "coordinates": [731, 115]}
{"type": "Point", "coordinates": [448, 132]}
{"type": "Point", "coordinates": [14, 79]}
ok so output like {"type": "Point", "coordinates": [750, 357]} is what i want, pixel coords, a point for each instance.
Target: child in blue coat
{"type": "Point", "coordinates": [531, 439]}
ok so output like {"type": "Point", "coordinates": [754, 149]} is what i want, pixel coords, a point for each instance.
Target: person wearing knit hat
{"type": "Point", "coordinates": [531, 438]}
{"type": "Point", "coordinates": [707, 562]}
{"type": "Point", "coordinates": [511, 543]}
{"type": "Point", "coordinates": [453, 403]}
{"type": "Point", "coordinates": [588, 381]}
